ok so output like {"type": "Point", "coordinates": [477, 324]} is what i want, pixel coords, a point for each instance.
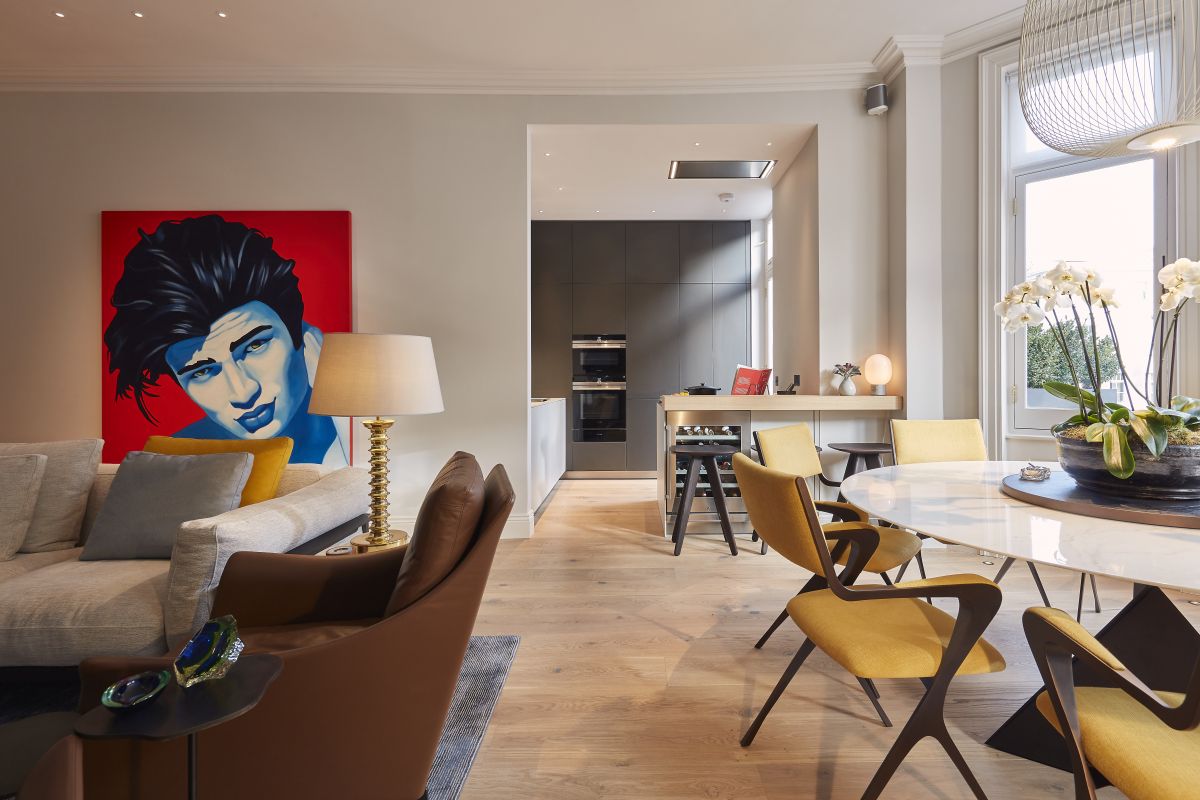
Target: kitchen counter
{"type": "Point", "coordinates": [728, 419]}
{"type": "Point", "coordinates": [781, 402]}
{"type": "Point", "coordinates": [547, 447]}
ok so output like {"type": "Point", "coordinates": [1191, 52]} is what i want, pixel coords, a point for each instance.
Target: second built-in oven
{"type": "Point", "coordinates": [598, 411]}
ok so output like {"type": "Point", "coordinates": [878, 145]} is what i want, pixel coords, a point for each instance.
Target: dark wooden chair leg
{"type": "Point", "coordinates": [774, 627]}
{"type": "Point", "coordinates": [903, 569]}
{"type": "Point", "coordinates": [886, 580]}
{"type": "Point", "coordinates": [956, 756]}
{"type": "Point", "coordinates": [873, 696]}
{"type": "Point", "coordinates": [920, 564]}
{"type": "Point", "coordinates": [1079, 608]}
{"type": "Point", "coordinates": [683, 509]}
{"type": "Point", "coordinates": [718, 493]}
{"type": "Point", "coordinates": [1095, 593]}
{"type": "Point", "coordinates": [784, 680]}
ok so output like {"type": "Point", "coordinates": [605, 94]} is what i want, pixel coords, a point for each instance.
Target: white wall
{"type": "Point", "coordinates": [960, 238]}
{"type": "Point", "coordinates": [795, 210]}
{"type": "Point", "coordinates": [437, 186]}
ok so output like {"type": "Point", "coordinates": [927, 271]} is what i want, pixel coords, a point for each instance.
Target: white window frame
{"type": "Point", "coordinates": [997, 193]}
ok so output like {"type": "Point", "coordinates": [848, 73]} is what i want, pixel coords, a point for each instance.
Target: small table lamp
{"type": "Point", "coordinates": [368, 375]}
{"type": "Point", "coordinates": [878, 371]}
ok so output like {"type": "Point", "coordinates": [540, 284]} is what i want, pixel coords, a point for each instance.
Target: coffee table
{"type": "Point", "coordinates": [185, 712]}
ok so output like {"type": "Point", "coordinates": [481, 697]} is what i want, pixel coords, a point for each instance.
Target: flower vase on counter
{"type": "Point", "coordinates": [843, 379]}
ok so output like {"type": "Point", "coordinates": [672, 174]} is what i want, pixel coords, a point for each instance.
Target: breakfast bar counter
{"type": "Point", "coordinates": [732, 420]}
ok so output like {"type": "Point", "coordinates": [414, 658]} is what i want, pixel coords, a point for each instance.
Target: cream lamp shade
{"type": "Point", "coordinates": [376, 374]}
{"type": "Point", "coordinates": [877, 370]}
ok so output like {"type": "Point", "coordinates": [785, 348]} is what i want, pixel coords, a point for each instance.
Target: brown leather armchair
{"type": "Point", "coordinates": [359, 707]}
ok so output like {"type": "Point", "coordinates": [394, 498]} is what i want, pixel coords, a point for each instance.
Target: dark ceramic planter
{"type": "Point", "coordinates": [1175, 475]}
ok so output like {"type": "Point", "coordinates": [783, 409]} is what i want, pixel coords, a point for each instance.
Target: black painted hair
{"type": "Point", "coordinates": [181, 279]}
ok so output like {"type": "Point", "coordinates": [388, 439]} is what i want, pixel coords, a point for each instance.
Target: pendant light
{"type": "Point", "coordinates": [1110, 77]}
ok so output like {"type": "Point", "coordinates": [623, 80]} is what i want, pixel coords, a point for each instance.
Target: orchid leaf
{"type": "Point", "coordinates": [1095, 433]}
{"type": "Point", "coordinates": [1152, 432]}
{"type": "Point", "coordinates": [1119, 413]}
{"type": "Point", "coordinates": [1188, 405]}
{"type": "Point", "coordinates": [1067, 391]}
{"type": "Point", "coordinates": [1118, 457]}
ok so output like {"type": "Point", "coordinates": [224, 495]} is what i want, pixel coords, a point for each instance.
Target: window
{"type": "Point", "coordinates": [1103, 214]}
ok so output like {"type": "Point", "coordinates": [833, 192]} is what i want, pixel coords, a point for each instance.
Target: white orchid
{"type": "Point", "coordinates": [1067, 278]}
{"type": "Point", "coordinates": [1104, 295]}
{"type": "Point", "coordinates": [1022, 315]}
{"type": "Point", "coordinates": [1170, 300]}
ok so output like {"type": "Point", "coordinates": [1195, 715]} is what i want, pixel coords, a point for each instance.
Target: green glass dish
{"type": "Point", "coordinates": [210, 653]}
{"type": "Point", "coordinates": [134, 690]}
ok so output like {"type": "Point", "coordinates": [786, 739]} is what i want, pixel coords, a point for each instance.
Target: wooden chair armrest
{"type": "Point", "coordinates": [830, 483]}
{"type": "Point", "coordinates": [1055, 637]}
{"type": "Point", "coordinates": [262, 589]}
{"type": "Point", "coordinates": [842, 512]}
{"type": "Point", "coordinates": [965, 588]}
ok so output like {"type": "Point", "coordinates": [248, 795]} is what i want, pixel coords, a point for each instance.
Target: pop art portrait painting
{"type": "Point", "coordinates": [213, 324]}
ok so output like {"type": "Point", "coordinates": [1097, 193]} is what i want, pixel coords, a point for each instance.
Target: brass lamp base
{"type": "Point", "coordinates": [366, 543]}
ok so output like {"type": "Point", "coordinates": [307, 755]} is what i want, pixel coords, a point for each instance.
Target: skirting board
{"type": "Point", "coordinates": [519, 526]}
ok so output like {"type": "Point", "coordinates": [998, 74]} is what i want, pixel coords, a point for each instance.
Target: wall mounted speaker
{"type": "Point", "coordinates": [877, 99]}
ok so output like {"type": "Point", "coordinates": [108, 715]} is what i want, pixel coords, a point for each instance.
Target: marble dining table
{"type": "Point", "coordinates": [961, 503]}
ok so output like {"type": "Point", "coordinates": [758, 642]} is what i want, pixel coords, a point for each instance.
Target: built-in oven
{"type": "Point", "coordinates": [598, 411]}
{"type": "Point", "coordinates": [599, 357]}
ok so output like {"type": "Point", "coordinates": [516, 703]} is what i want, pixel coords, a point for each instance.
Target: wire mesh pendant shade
{"type": "Point", "coordinates": [1106, 77]}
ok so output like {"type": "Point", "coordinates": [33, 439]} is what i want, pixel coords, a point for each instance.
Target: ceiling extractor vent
{"type": "Point", "coordinates": [692, 170]}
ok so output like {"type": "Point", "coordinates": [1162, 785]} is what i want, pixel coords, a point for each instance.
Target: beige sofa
{"type": "Point", "coordinates": [56, 610]}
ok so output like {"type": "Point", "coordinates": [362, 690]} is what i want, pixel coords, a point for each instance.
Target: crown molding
{"type": "Point", "coordinates": [822, 77]}
{"type": "Point", "coordinates": [998, 30]}
{"type": "Point", "coordinates": [901, 52]}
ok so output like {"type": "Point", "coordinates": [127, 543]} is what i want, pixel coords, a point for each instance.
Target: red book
{"type": "Point", "coordinates": [749, 380]}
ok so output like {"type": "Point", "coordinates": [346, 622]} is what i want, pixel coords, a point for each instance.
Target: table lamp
{"type": "Point", "coordinates": [878, 371]}
{"type": "Point", "coordinates": [370, 375]}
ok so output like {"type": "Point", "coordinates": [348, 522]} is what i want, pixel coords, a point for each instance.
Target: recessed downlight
{"type": "Point", "coordinates": [59, 14]}
{"type": "Point", "coordinates": [560, 188]}
{"type": "Point", "coordinates": [138, 14]}
{"type": "Point", "coordinates": [695, 144]}
{"type": "Point", "coordinates": [223, 14]}
{"type": "Point", "coordinates": [770, 143]}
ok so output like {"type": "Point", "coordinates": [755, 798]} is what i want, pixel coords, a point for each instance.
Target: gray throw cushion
{"type": "Point", "coordinates": [70, 470]}
{"type": "Point", "coordinates": [153, 494]}
{"type": "Point", "coordinates": [20, 480]}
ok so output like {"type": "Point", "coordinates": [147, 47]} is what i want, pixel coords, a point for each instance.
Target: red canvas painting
{"type": "Point", "coordinates": [212, 324]}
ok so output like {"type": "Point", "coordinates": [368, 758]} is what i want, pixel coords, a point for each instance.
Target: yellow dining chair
{"type": "Point", "coordinates": [792, 449]}
{"type": "Point", "coordinates": [872, 631]}
{"type": "Point", "coordinates": [927, 441]}
{"type": "Point", "coordinates": [1145, 742]}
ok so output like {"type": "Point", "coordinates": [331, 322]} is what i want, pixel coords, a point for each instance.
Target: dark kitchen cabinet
{"type": "Point", "coordinates": [550, 340]}
{"type": "Point", "coordinates": [598, 308]}
{"type": "Point", "coordinates": [695, 252]}
{"type": "Point", "coordinates": [598, 252]}
{"type": "Point", "coordinates": [696, 335]}
{"type": "Point", "coordinates": [652, 334]}
{"type": "Point", "coordinates": [731, 331]}
{"type": "Point", "coordinates": [550, 252]}
{"type": "Point", "coordinates": [641, 451]}
{"type": "Point", "coordinates": [652, 252]}
{"type": "Point", "coordinates": [597, 456]}
{"type": "Point", "coordinates": [731, 252]}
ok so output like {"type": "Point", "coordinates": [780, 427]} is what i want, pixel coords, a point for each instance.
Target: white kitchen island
{"type": "Point", "coordinates": [547, 447]}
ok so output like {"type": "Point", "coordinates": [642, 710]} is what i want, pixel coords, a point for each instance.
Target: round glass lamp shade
{"type": "Point", "coordinates": [878, 371]}
{"type": "Point", "coordinates": [376, 374]}
{"type": "Point", "coordinates": [1110, 77]}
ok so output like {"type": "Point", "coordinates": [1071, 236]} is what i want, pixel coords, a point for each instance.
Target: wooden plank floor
{"type": "Point", "coordinates": [637, 674]}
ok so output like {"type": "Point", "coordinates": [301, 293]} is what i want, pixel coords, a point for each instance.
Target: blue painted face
{"type": "Point", "coordinates": [245, 374]}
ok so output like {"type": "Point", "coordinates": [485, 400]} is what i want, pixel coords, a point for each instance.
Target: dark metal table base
{"type": "Point", "coordinates": [1153, 639]}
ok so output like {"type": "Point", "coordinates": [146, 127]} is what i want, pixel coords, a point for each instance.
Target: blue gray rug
{"type": "Point", "coordinates": [480, 682]}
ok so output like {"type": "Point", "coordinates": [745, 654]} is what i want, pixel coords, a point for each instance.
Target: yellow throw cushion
{"type": "Point", "coordinates": [270, 459]}
{"type": "Point", "coordinates": [1139, 753]}
{"type": "Point", "coordinates": [895, 638]}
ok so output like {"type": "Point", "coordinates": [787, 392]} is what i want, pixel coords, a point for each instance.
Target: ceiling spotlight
{"type": "Point", "coordinates": [222, 14]}
{"type": "Point", "coordinates": [697, 144]}
{"type": "Point", "coordinates": [59, 14]}
{"type": "Point", "coordinates": [138, 14]}
{"type": "Point", "coordinates": [547, 155]}
{"type": "Point", "coordinates": [597, 211]}
{"type": "Point", "coordinates": [770, 143]}
{"type": "Point", "coordinates": [540, 211]}
{"type": "Point", "coordinates": [560, 188]}
{"type": "Point", "coordinates": [652, 211]}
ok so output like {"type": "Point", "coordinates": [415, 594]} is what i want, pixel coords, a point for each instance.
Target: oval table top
{"type": "Point", "coordinates": [960, 502]}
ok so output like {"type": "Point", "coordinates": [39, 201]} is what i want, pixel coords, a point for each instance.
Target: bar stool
{"type": "Point", "coordinates": [706, 455]}
{"type": "Point", "coordinates": [863, 456]}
